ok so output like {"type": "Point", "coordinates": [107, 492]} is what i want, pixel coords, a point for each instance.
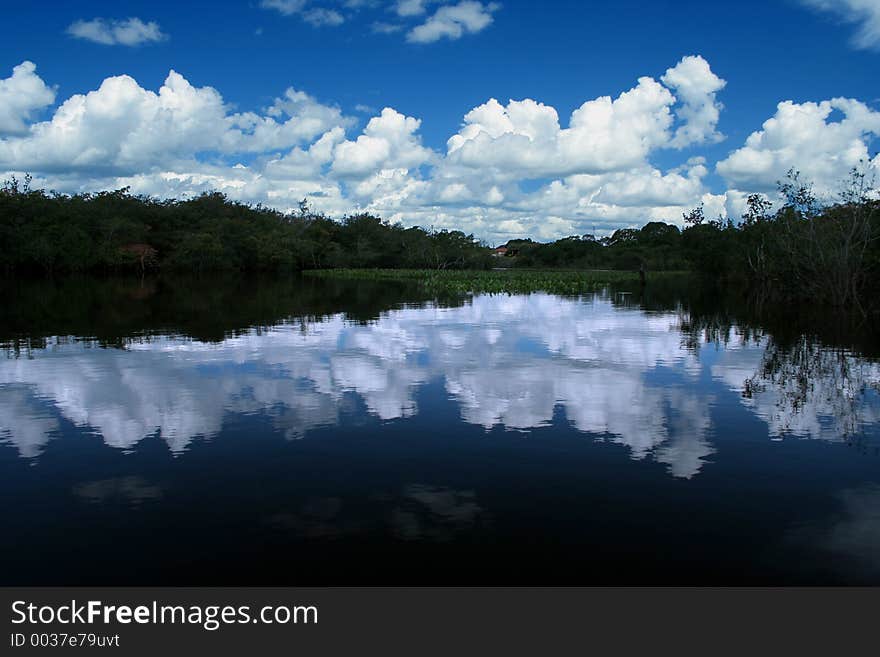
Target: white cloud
{"type": "Point", "coordinates": [453, 22]}
{"type": "Point", "coordinates": [809, 138]}
{"type": "Point", "coordinates": [389, 141]}
{"type": "Point", "coordinates": [449, 21]}
{"type": "Point", "coordinates": [121, 127]}
{"type": "Point", "coordinates": [112, 32]}
{"type": "Point", "coordinates": [293, 118]}
{"type": "Point", "coordinates": [320, 16]}
{"type": "Point", "coordinates": [21, 95]}
{"type": "Point", "coordinates": [286, 7]}
{"type": "Point", "coordinates": [864, 13]}
{"type": "Point", "coordinates": [316, 16]}
{"type": "Point", "coordinates": [524, 138]}
{"type": "Point", "coordinates": [645, 186]}
{"type": "Point", "coordinates": [511, 170]}
{"type": "Point", "coordinates": [410, 7]}
{"type": "Point", "coordinates": [695, 86]}
{"type": "Point", "coordinates": [183, 140]}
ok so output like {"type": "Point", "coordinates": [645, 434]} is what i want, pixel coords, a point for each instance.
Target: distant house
{"type": "Point", "coordinates": [500, 251]}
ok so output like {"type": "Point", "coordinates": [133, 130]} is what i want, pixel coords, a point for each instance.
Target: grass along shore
{"type": "Point", "coordinates": [496, 281]}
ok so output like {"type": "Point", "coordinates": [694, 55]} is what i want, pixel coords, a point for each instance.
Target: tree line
{"type": "Point", "coordinates": [115, 231]}
{"type": "Point", "coordinates": [805, 250]}
{"type": "Point", "coordinates": [827, 253]}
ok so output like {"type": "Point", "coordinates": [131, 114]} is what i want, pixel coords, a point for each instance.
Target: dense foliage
{"type": "Point", "coordinates": [115, 230]}
{"type": "Point", "coordinates": [829, 254]}
{"type": "Point", "coordinates": [656, 246]}
{"type": "Point", "coordinates": [804, 251]}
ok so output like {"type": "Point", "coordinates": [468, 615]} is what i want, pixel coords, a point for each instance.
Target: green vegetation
{"type": "Point", "coordinates": [115, 231]}
{"type": "Point", "coordinates": [657, 246]}
{"type": "Point", "coordinates": [806, 251]}
{"type": "Point", "coordinates": [507, 281]}
{"type": "Point", "coordinates": [827, 255]}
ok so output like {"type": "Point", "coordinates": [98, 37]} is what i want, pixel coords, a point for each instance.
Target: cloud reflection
{"type": "Point", "coordinates": [618, 373]}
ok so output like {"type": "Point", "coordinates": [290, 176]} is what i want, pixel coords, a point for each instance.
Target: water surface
{"type": "Point", "coordinates": [316, 432]}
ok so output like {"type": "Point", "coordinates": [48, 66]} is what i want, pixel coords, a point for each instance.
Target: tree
{"type": "Point", "coordinates": [825, 247]}
{"type": "Point", "coordinates": [694, 217]}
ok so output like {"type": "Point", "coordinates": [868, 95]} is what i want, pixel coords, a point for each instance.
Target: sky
{"type": "Point", "coordinates": [503, 119]}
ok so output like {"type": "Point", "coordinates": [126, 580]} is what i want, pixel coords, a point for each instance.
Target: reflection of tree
{"type": "Point", "coordinates": [717, 328]}
{"type": "Point", "coordinates": [808, 376]}
{"type": "Point", "coordinates": [508, 360]}
{"type": "Point", "coordinates": [814, 369]}
{"type": "Point", "coordinates": [722, 314]}
{"type": "Point", "coordinates": [114, 311]}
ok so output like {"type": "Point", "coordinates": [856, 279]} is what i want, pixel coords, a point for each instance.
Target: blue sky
{"type": "Point", "coordinates": [434, 62]}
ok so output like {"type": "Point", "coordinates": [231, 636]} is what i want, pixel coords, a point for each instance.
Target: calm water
{"type": "Point", "coordinates": [310, 432]}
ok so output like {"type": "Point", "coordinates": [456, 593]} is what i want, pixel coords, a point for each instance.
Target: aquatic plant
{"type": "Point", "coordinates": [497, 281]}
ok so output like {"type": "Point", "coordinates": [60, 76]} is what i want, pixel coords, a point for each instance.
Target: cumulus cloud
{"type": "Point", "coordinates": [183, 140]}
{"type": "Point", "coordinates": [695, 86]}
{"type": "Point", "coordinates": [524, 137]}
{"type": "Point", "coordinates": [21, 96]}
{"type": "Point", "coordinates": [512, 169]}
{"type": "Point", "coordinates": [454, 21]}
{"type": "Point", "coordinates": [864, 13]}
{"type": "Point", "coordinates": [122, 127]}
{"type": "Point", "coordinates": [603, 134]}
{"type": "Point", "coordinates": [823, 140]}
{"type": "Point", "coordinates": [389, 141]}
{"type": "Point", "coordinates": [301, 117]}
{"type": "Point", "coordinates": [113, 32]}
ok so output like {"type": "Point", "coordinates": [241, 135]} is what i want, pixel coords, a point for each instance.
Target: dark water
{"type": "Point", "coordinates": [268, 431]}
